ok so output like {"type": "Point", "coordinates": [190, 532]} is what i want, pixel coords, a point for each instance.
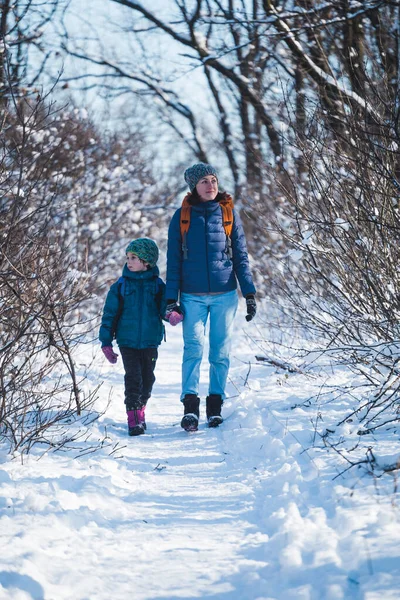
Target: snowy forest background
{"type": "Point", "coordinates": [296, 102]}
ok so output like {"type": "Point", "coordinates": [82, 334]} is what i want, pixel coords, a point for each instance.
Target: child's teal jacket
{"type": "Point", "coordinates": [140, 324]}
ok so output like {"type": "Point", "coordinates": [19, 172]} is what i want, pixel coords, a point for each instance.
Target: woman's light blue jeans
{"type": "Point", "coordinates": [222, 310]}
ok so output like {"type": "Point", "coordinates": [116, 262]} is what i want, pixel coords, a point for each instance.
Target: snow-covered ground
{"type": "Point", "coordinates": [254, 510]}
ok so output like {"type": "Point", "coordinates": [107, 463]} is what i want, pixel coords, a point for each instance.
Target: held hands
{"type": "Point", "coordinates": [251, 307]}
{"type": "Point", "coordinates": [175, 318]}
{"type": "Point", "coordinates": [110, 355]}
{"type": "Point", "coordinates": [173, 314]}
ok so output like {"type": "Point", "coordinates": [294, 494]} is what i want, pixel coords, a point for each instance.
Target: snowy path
{"type": "Point", "coordinates": [243, 512]}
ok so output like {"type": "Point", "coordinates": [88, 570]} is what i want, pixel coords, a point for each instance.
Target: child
{"type": "Point", "coordinates": [133, 315]}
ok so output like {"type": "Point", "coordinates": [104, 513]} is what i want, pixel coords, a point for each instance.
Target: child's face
{"type": "Point", "coordinates": [134, 263]}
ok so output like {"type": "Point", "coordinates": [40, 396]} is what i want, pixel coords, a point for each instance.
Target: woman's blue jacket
{"type": "Point", "coordinates": [207, 268]}
{"type": "Point", "coordinates": [140, 324]}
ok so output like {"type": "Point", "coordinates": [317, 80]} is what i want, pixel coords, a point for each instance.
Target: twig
{"type": "Point", "coordinates": [283, 365]}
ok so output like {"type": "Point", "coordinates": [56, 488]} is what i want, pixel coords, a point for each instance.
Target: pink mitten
{"type": "Point", "coordinates": [175, 318]}
{"type": "Point", "coordinates": [110, 355]}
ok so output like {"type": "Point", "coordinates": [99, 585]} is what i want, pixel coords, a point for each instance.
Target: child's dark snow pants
{"type": "Point", "coordinates": [139, 368]}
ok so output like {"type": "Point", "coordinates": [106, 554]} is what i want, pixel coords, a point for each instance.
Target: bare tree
{"type": "Point", "coordinates": [22, 24]}
{"type": "Point", "coordinates": [256, 59]}
{"type": "Point", "coordinates": [233, 90]}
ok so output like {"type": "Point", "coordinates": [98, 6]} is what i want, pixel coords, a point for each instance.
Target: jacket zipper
{"type": "Point", "coordinates": [141, 320]}
{"type": "Point", "coordinates": [207, 262]}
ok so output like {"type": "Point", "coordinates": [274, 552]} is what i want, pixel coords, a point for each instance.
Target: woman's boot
{"type": "Point", "coordinates": [190, 420]}
{"type": "Point", "coordinates": [214, 404]}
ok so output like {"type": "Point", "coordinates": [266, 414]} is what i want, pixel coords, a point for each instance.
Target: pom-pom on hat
{"type": "Point", "coordinates": [145, 249]}
{"type": "Point", "coordinates": [196, 172]}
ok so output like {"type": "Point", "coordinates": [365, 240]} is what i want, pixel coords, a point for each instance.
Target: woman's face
{"type": "Point", "coordinates": [207, 188]}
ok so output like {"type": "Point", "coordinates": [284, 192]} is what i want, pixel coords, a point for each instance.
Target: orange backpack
{"type": "Point", "coordinates": [227, 220]}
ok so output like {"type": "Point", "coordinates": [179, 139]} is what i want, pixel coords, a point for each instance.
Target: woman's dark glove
{"type": "Point", "coordinates": [172, 306]}
{"type": "Point", "coordinates": [251, 307]}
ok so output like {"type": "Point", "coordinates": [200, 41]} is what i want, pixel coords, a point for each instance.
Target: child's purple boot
{"type": "Point", "coordinates": [136, 421]}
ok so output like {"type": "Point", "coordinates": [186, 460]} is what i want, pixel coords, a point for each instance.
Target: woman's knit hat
{"type": "Point", "coordinates": [145, 249]}
{"type": "Point", "coordinates": [195, 173]}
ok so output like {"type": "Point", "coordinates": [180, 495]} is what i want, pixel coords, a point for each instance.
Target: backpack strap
{"type": "Point", "coordinates": [159, 294]}
{"type": "Point", "coordinates": [121, 293]}
{"type": "Point", "coordinates": [227, 221]}
{"type": "Point", "coordinates": [227, 214]}
{"type": "Point", "coordinates": [159, 283]}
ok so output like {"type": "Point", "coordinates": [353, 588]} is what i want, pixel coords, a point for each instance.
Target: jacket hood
{"type": "Point", "coordinates": [149, 274]}
{"type": "Point", "coordinates": [195, 201]}
{"type": "Point", "coordinates": [206, 207]}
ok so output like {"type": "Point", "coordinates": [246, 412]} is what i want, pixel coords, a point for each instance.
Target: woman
{"type": "Point", "coordinates": [206, 256]}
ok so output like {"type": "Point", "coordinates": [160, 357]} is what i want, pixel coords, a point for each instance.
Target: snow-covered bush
{"type": "Point", "coordinates": [70, 201]}
{"type": "Point", "coordinates": [340, 278]}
